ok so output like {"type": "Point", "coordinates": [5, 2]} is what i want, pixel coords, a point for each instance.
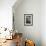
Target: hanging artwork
{"type": "Point", "coordinates": [28, 19]}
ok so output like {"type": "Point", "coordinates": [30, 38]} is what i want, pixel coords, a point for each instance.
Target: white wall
{"type": "Point", "coordinates": [29, 7]}
{"type": "Point", "coordinates": [6, 13]}
{"type": "Point", "coordinates": [43, 22]}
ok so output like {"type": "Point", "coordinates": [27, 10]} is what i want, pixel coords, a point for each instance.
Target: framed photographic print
{"type": "Point", "coordinates": [28, 19]}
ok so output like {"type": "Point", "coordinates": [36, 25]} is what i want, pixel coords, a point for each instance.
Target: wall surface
{"type": "Point", "coordinates": [29, 7]}
{"type": "Point", "coordinates": [6, 13]}
{"type": "Point", "coordinates": [43, 22]}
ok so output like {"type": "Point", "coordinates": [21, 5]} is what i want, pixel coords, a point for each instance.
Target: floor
{"type": "Point", "coordinates": [9, 43]}
{"type": "Point", "coordinates": [16, 41]}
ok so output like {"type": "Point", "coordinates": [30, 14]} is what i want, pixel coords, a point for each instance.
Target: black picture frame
{"type": "Point", "coordinates": [28, 19]}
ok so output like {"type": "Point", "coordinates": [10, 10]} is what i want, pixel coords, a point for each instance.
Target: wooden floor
{"type": "Point", "coordinates": [17, 40]}
{"type": "Point", "coordinates": [9, 43]}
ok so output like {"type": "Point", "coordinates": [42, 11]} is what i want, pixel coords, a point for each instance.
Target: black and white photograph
{"type": "Point", "coordinates": [28, 19]}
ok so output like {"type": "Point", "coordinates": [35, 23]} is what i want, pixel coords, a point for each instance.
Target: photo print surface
{"type": "Point", "coordinates": [28, 19]}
